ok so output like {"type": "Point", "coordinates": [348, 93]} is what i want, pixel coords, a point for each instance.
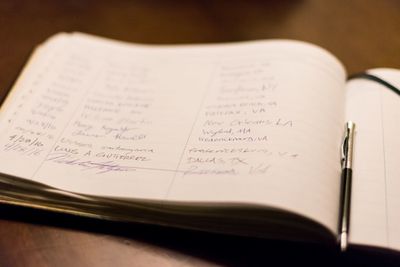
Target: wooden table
{"type": "Point", "coordinates": [362, 34]}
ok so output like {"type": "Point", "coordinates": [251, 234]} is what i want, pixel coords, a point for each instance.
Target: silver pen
{"type": "Point", "coordinates": [345, 187]}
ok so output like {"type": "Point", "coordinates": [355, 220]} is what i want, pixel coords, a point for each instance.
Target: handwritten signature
{"type": "Point", "coordinates": [99, 166]}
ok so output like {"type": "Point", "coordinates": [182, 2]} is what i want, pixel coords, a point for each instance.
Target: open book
{"type": "Point", "coordinates": [239, 138]}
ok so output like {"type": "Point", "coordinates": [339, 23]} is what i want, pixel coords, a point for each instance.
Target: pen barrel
{"type": "Point", "coordinates": [345, 200]}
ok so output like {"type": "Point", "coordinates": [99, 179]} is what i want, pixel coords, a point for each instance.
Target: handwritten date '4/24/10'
{"type": "Point", "coordinates": [30, 146]}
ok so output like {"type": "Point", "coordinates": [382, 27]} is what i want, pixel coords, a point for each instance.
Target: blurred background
{"type": "Point", "coordinates": [361, 33]}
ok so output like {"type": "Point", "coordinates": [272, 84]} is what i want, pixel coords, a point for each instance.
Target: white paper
{"type": "Point", "coordinates": [375, 217]}
{"type": "Point", "coordinates": [256, 123]}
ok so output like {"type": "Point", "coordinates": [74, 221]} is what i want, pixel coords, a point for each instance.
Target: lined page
{"type": "Point", "coordinates": [375, 217]}
{"type": "Point", "coordinates": [256, 123]}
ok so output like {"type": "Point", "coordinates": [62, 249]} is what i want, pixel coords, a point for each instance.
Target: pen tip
{"type": "Point", "coordinates": [343, 242]}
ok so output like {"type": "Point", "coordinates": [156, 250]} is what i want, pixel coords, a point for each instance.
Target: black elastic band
{"type": "Point", "coordinates": [365, 75]}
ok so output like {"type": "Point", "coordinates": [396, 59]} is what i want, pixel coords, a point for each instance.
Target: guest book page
{"type": "Point", "coordinates": [251, 123]}
{"type": "Point", "coordinates": [375, 216]}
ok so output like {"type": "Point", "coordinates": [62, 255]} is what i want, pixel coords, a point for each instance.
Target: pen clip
{"type": "Point", "coordinates": [344, 148]}
{"type": "Point", "coordinates": [347, 145]}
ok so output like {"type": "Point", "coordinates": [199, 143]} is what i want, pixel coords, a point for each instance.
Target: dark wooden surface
{"type": "Point", "coordinates": [362, 34]}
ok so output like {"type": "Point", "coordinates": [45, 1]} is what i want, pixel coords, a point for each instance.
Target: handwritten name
{"type": "Point", "coordinates": [100, 167]}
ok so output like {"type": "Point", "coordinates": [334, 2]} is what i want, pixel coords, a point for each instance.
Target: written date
{"type": "Point", "coordinates": [24, 145]}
